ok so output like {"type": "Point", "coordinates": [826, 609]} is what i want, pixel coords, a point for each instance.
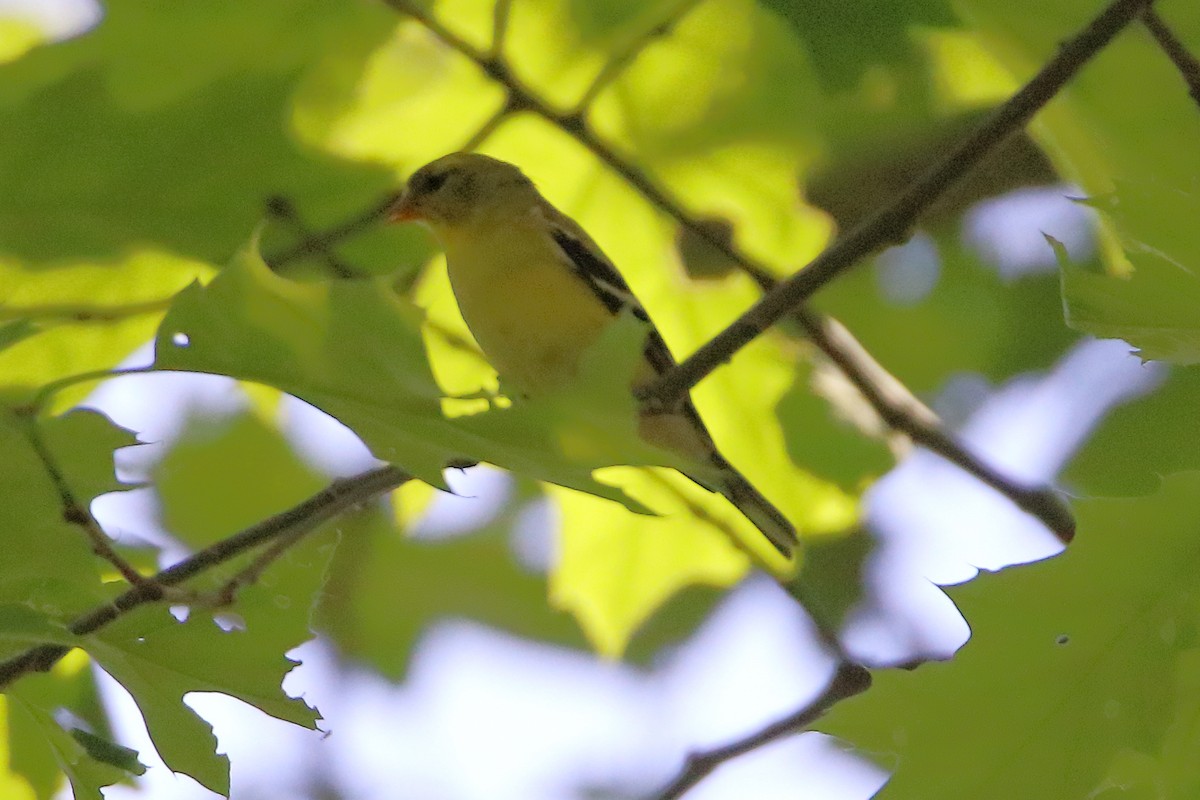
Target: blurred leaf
{"type": "Point", "coordinates": [1056, 672]}
{"type": "Point", "coordinates": [1154, 308]}
{"type": "Point", "coordinates": [227, 474]}
{"type": "Point", "coordinates": [102, 217]}
{"type": "Point", "coordinates": [17, 37]}
{"type": "Point", "coordinates": [846, 40]}
{"type": "Point", "coordinates": [42, 749]}
{"type": "Point", "coordinates": [617, 567]}
{"type": "Point", "coordinates": [88, 316]}
{"type": "Point", "coordinates": [1139, 443]}
{"type": "Point", "coordinates": [385, 590]}
{"type": "Point", "coordinates": [12, 784]}
{"type": "Point", "coordinates": [832, 578]}
{"type": "Point", "coordinates": [971, 320]}
{"type": "Point", "coordinates": [13, 332]}
{"type": "Point", "coordinates": [821, 438]}
{"type": "Point", "coordinates": [149, 83]}
{"type": "Point", "coordinates": [1094, 142]}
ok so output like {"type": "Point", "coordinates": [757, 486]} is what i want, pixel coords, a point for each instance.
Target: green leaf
{"type": "Point", "coordinates": [1140, 442]}
{"type": "Point", "coordinates": [47, 562]}
{"type": "Point", "coordinates": [13, 332]}
{"type": "Point", "coordinates": [1100, 145]}
{"type": "Point", "coordinates": [225, 475]}
{"type": "Point", "coordinates": [354, 350]}
{"type": "Point", "coordinates": [107, 752]}
{"type": "Point", "coordinates": [972, 320]}
{"type": "Point", "coordinates": [813, 416]}
{"type": "Point", "coordinates": [159, 660]}
{"type": "Point", "coordinates": [846, 41]}
{"type": "Point", "coordinates": [1154, 307]}
{"type": "Point", "coordinates": [148, 84]}
{"type": "Point", "coordinates": [385, 590]}
{"type": "Point", "coordinates": [832, 578]}
{"type": "Point", "coordinates": [86, 773]}
{"type": "Point", "coordinates": [351, 348]}
{"type": "Point", "coordinates": [43, 751]}
{"type": "Point", "coordinates": [1072, 662]}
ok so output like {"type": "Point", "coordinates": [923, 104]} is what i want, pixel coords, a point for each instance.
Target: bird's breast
{"type": "Point", "coordinates": [530, 314]}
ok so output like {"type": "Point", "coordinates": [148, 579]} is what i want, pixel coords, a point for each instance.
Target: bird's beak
{"type": "Point", "coordinates": [405, 210]}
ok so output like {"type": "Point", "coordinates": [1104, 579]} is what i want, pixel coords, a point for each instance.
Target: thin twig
{"type": "Point", "coordinates": [283, 209]}
{"type": "Point", "coordinates": [84, 312]}
{"type": "Point", "coordinates": [320, 243]}
{"type": "Point", "coordinates": [892, 223]}
{"type": "Point", "coordinates": [897, 406]}
{"type": "Point", "coordinates": [336, 498]}
{"type": "Point", "coordinates": [79, 515]}
{"type": "Point", "coordinates": [249, 574]}
{"type": "Point", "coordinates": [848, 681]}
{"type": "Point", "coordinates": [500, 15]}
{"type": "Point", "coordinates": [1187, 64]}
{"type": "Point", "coordinates": [903, 412]}
{"type": "Point", "coordinates": [619, 61]}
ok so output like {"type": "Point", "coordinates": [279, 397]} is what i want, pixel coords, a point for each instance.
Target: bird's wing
{"type": "Point", "coordinates": [588, 262]}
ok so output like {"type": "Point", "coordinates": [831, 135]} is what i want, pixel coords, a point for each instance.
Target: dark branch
{"type": "Point", "coordinates": [903, 412]}
{"type": "Point", "coordinates": [322, 242]}
{"type": "Point", "coordinates": [891, 400]}
{"type": "Point", "coordinates": [849, 680]}
{"type": "Point", "coordinates": [1187, 64]}
{"type": "Point", "coordinates": [283, 209]}
{"type": "Point", "coordinates": [892, 224]}
{"type": "Point", "coordinates": [335, 499]}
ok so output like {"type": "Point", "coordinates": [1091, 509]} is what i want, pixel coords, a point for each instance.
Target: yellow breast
{"type": "Point", "coordinates": [531, 315]}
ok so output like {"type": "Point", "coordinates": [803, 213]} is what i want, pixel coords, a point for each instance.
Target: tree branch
{"type": "Point", "coordinates": [335, 499]}
{"type": "Point", "coordinates": [283, 209]}
{"type": "Point", "coordinates": [322, 242]}
{"type": "Point", "coordinates": [84, 312]}
{"type": "Point", "coordinates": [1187, 64]}
{"type": "Point", "coordinates": [849, 680]}
{"type": "Point", "coordinates": [891, 224]}
{"type": "Point", "coordinates": [897, 406]}
{"type": "Point", "coordinates": [903, 412]}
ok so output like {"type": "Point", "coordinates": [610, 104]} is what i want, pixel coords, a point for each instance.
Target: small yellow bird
{"type": "Point", "coordinates": [536, 292]}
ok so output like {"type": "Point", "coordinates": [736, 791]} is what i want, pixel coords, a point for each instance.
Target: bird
{"type": "Point", "coordinates": [536, 291]}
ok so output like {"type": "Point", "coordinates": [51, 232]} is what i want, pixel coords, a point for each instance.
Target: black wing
{"type": "Point", "coordinates": [594, 268]}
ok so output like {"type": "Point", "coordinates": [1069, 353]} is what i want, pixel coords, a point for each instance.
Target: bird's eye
{"type": "Point", "coordinates": [434, 182]}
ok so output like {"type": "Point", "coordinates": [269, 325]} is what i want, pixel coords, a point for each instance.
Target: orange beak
{"type": "Point", "coordinates": [404, 210]}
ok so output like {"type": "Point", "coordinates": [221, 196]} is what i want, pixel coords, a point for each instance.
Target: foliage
{"type": "Point", "coordinates": [209, 177]}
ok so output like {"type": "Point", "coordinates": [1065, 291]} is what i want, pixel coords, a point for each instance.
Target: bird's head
{"type": "Point", "coordinates": [460, 188]}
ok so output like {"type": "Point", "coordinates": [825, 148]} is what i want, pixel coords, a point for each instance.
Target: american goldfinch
{"type": "Point", "coordinates": [536, 292]}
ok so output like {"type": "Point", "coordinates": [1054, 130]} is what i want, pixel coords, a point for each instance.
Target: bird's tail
{"type": "Point", "coordinates": [754, 507]}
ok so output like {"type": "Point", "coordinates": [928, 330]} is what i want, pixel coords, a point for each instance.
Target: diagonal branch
{"type": "Point", "coordinates": [1187, 64]}
{"type": "Point", "coordinates": [290, 525]}
{"type": "Point", "coordinates": [894, 403]}
{"type": "Point", "coordinates": [892, 223]}
{"type": "Point", "coordinates": [902, 412]}
{"type": "Point", "coordinates": [848, 681]}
